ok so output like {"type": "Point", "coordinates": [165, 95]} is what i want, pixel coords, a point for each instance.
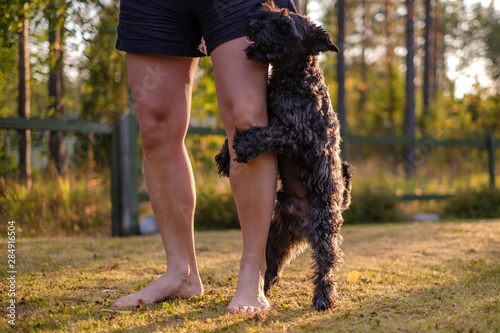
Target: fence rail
{"type": "Point", "coordinates": [489, 143]}
{"type": "Point", "coordinates": [402, 141]}
{"type": "Point", "coordinates": [125, 197]}
{"type": "Point", "coordinates": [55, 125]}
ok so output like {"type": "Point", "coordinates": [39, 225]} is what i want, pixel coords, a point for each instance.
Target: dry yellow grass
{"type": "Point", "coordinates": [442, 277]}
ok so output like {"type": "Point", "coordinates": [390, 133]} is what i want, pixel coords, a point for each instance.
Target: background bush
{"type": "Point", "coordinates": [73, 204]}
{"type": "Point", "coordinates": [483, 203]}
{"type": "Point", "coordinates": [373, 206]}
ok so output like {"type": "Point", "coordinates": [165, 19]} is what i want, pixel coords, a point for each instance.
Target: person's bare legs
{"type": "Point", "coordinates": [241, 94]}
{"type": "Point", "coordinates": [162, 87]}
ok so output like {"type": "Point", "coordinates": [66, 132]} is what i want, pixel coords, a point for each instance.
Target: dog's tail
{"type": "Point", "coordinates": [347, 170]}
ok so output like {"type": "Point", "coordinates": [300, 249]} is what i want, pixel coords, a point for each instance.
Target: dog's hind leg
{"type": "Point", "coordinates": [347, 171]}
{"type": "Point", "coordinates": [325, 241]}
{"type": "Point", "coordinates": [283, 244]}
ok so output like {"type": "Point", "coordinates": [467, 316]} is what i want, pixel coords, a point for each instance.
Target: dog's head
{"type": "Point", "coordinates": [278, 35]}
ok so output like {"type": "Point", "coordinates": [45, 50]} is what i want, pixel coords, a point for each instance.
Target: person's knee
{"type": "Point", "coordinates": [248, 114]}
{"type": "Point", "coordinates": [160, 132]}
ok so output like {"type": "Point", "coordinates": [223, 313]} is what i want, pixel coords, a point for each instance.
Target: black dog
{"type": "Point", "coordinates": [304, 131]}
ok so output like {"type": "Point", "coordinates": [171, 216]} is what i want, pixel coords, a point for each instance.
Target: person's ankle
{"type": "Point", "coordinates": [253, 263]}
{"type": "Point", "coordinates": [184, 271]}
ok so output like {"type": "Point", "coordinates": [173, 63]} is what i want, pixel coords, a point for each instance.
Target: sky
{"type": "Point", "coordinates": [476, 71]}
{"type": "Point", "coordinates": [496, 3]}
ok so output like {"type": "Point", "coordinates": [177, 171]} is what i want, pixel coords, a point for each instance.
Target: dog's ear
{"type": "Point", "coordinates": [320, 41]}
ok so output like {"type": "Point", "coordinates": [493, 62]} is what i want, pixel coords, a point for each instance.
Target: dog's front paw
{"type": "Point", "coordinates": [244, 155]}
{"type": "Point", "coordinates": [244, 147]}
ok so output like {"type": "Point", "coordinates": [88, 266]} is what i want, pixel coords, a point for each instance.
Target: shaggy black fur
{"type": "Point", "coordinates": [304, 131]}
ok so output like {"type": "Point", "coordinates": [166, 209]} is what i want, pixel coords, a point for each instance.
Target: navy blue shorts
{"type": "Point", "coordinates": [189, 28]}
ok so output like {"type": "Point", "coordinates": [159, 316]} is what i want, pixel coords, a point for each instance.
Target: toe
{"type": "Point", "coordinates": [261, 308]}
{"type": "Point", "coordinates": [118, 303]}
{"type": "Point", "coordinates": [252, 309]}
{"type": "Point", "coordinates": [233, 309]}
{"type": "Point", "coordinates": [126, 301]}
{"type": "Point", "coordinates": [245, 309]}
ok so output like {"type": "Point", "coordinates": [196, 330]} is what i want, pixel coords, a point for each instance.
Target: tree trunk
{"type": "Point", "coordinates": [341, 107]}
{"type": "Point", "coordinates": [390, 61]}
{"type": "Point", "coordinates": [301, 6]}
{"type": "Point", "coordinates": [409, 116]}
{"type": "Point", "coordinates": [438, 59]}
{"type": "Point", "coordinates": [24, 106]}
{"type": "Point", "coordinates": [362, 88]}
{"type": "Point", "coordinates": [56, 109]}
{"type": "Point", "coordinates": [427, 66]}
{"type": "Point", "coordinates": [432, 51]}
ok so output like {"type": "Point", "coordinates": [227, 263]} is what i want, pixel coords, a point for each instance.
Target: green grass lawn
{"type": "Point", "coordinates": [442, 277]}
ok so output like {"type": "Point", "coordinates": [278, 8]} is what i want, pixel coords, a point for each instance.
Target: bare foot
{"type": "Point", "coordinates": [249, 297]}
{"type": "Point", "coordinates": [169, 285]}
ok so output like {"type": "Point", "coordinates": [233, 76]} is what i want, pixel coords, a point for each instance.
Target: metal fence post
{"type": "Point", "coordinates": [491, 157]}
{"type": "Point", "coordinates": [116, 199]}
{"type": "Point", "coordinates": [128, 143]}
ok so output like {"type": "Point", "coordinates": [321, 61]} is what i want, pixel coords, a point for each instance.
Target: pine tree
{"type": "Point", "coordinates": [409, 115]}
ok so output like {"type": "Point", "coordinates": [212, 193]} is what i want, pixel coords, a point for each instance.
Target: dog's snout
{"type": "Point", "coordinates": [252, 23]}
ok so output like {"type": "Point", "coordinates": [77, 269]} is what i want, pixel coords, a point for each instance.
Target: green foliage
{"type": "Point", "coordinates": [57, 205]}
{"type": "Point", "coordinates": [385, 100]}
{"type": "Point", "coordinates": [102, 86]}
{"type": "Point", "coordinates": [8, 80]}
{"type": "Point", "coordinates": [384, 88]}
{"type": "Point", "coordinates": [104, 83]}
{"type": "Point", "coordinates": [11, 15]}
{"type": "Point", "coordinates": [471, 116]}
{"type": "Point", "coordinates": [483, 203]}
{"type": "Point", "coordinates": [7, 162]}
{"type": "Point", "coordinates": [493, 44]}
{"type": "Point", "coordinates": [373, 206]}
{"type": "Point", "coordinates": [205, 111]}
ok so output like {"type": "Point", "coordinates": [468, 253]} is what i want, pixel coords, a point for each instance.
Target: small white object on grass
{"type": "Point", "coordinates": [148, 226]}
{"type": "Point", "coordinates": [425, 217]}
